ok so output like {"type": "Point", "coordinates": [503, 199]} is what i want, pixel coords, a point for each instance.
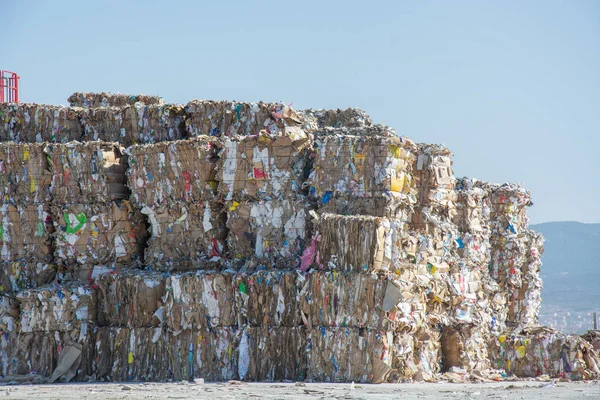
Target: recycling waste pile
{"type": "Point", "coordinates": [144, 241]}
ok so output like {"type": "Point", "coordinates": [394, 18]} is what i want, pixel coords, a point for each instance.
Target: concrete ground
{"type": "Point", "coordinates": [236, 390]}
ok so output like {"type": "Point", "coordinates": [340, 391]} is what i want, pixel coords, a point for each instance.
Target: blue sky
{"type": "Point", "coordinates": [511, 87]}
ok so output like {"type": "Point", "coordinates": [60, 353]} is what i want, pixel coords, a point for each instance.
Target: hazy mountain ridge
{"type": "Point", "coordinates": [571, 274]}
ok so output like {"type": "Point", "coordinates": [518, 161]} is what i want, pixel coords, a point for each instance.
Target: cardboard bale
{"type": "Point", "coordinates": [274, 231]}
{"type": "Point", "coordinates": [226, 118]}
{"type": "Point", "coordinates": [95, 233]}
{"type": "Point", "coordinates": [167, 173]}
{"type": "Point", "coordinates": [88, 100]}
{"type": "Point", "coordinates": [361, 167]}
{"type": "Point", "coordinates": [25, 232]}
{"type": "Point", "coordinates": [41, 354]}
{"type": "Point", "coordinates": [211, 354]}
{"type": "Point", "coordinates": [272, 354]}
{"type": "Point", "coordinates": [348, 354]}
{"type": "Point", "coordinates": [263, 166]}
{"type": "Point", "coordinates": [345, 300]}
{"type": "Point", "coordinates": [268, 298]}
{"type": "Point", "coordinates": [473, 206]}
{"type": "Point", "coordinates": [24, 173]}
{"type": "Point", "coordinates": [538, 350]}
{"type": "Point", "coordinates": [9, 313]}
{"type": "Point", "coordinates": [25, 274]}
{"type": "Point", "coordinates": [593, 337]}
{"type": "Point", "coordinates": [109, 124]}
{"type": "Point", "coordinates": [436, 182]}
{"type": "Point", "coordinates": [36, 123]}
{"type": "Point", "coordinates": [185, 237]}
{"type": "Point", "coordinates": [203, 299]}
{"type": "Point", "coordinates": [354, 243]}
{"type": "Point", "coordinates": [509, 204]}
{"type": "Point", "coordinates": [87, 172]}
{"type": "Point", "coordinates": [132, 354]}
{"type": "Point", "coordinates": [130, 298]}
{"type": "Point", "coordinates": [403, 357]}
{"type": "Point", "coordinates": [465, 346]}
{"type": "Point", "coordinates": [348, 118]}
{"type": "Point", "coordinates": [60, 308]}
{"type": "Point", "coordinates": [384, 205]}
{"type": "Point", "coordinates": [158, 122]}
{"type": "Point", "coordinates": [515, 265]}
{"type": "Point", "coordinates": [427, 353]}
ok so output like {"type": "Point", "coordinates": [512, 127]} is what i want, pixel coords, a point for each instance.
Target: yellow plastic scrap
{"type": "Point", "coordinates": [521, 351]}
{"type": "Point", "coordinates": [234, 205]}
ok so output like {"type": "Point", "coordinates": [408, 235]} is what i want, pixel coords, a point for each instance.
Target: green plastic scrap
{"type": "Point", "coordinates": [81, 219]}
{"type": "Point", "coordinates": [243, 288]}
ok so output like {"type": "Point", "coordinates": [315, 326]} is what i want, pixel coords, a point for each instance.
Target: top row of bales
{"type": "Point", "coordinates": [144, 119]}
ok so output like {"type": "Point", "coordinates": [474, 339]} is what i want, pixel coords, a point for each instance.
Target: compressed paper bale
{"type": "Point", "coordinates": [95, 233]}
{"type": "Point", "coordinates": [437, 196]}
{"type": "Point", "coordinates": [25, 274]}
{"type": "Point", "coordinates": [267, 298]}
{"type": "Point", "coordinates": [361, 167]}
{"type": "Point", "coordinates": [198, 300]}
{"type": "Point", "coordinates": [60, 308]}
{"type": "Point", "coordinates": [263, 167]}
{"type": "Point", "coordinates": [130, 298]}
{"type": "Point", "coordinates": [536, 351]}
{"type": "Point", "coordinates": [31, 123]}
{"type": "Point", "coordinates": [171, 172]}
{"type": "Point", "coordinates": [347, 354]}
{"type": "Point", "coordinates": [355, 243]}
{"type": "Point", "coordinates": [344, 299]}
{"type": "Point", "coordinates": [272, 354]}
{"type": "Point", "coordinates": [268, 230]}
{"type": "Point", "coordinates": [225, 118]}
{"type": "Point", "coordinates": [39, 353]}
{"type": "Point", "coordinates": [515, 265]}
{"type": "Point", "coordinates": [387, 206]}
{"type": "Point", "coordinates": [465, 346]}
{"type": "Point", "coordinates": [509, 204]}
{"type": "Point", "coordinates": [87, 99]}
{"type": "Point", "coordinates": [87, 172]}
{"type": "Point", "coordinates": [9, 313]}
{"type": "Point", "coordinates": [24, 173]}
{"type": "Point", "coordinates": [185, 236]}
{"type": "Point", "coordinates": [158, 122]}
{"type": "Point", "coordinates": [468, 295]}
{"type": "Point", "coordinates": [211, 354]}
{"type": "Point", "coordinates": [593, 337]}
{"type": "Point", "coordinates": [109, 124]}
{"type": "Point", "coordinates": [427, 354]}
{"type": "Point", "coordinates": [124, 354]}
{"type": "Point", "coordinates": [349, 118]}
{"type": "Point", "coordinates": [473, 206]}
{"type": "Point", "coordinates": [25, 232]}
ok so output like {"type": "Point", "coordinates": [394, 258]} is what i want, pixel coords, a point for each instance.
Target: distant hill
{"type": "Point", "coordinates": [571, 274]}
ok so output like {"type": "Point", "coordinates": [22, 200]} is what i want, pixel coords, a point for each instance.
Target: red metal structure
{"type": "Point", "coordinates": [9, 87]}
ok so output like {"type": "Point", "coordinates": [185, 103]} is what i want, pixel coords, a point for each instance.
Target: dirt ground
{"type": "Point", "coordinates": [236, 390]}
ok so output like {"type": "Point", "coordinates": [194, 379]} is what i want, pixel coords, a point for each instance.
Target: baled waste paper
{"type": "Point", "coordinates": [37, 123]}
{"type": "Point", "coordinates": [535, 351]}
{"type": "Point", "coordinates": [92, 100]}
{"type": "Point", "coordinates": [274, 230]}
{"type": "Point", "coordinates": [263, 167]}
{"type": "Point", "coordinates": [130, 298]}
{"type": "Point", "coordinates": [167, 173]}
{"type": "Point", "coordinates": [185, 236]}
{"type": "Point", "coordinates": [57, 308]}
{"type": "Point", "coordinates": [226, 118]}
{"type": "Point", "coordinates": [224, 240]}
